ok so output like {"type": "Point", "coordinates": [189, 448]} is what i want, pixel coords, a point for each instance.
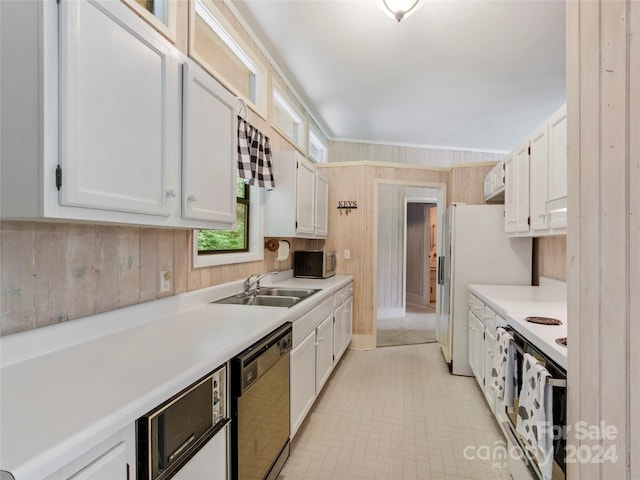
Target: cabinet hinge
{"type": "Point", "coordinates": [58, 177]}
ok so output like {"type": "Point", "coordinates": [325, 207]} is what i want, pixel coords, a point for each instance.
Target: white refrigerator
{"type": "Point", "coordinates": [475, 249]}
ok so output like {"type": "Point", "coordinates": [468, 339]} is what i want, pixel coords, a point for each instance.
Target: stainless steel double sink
{"type": "Point", "coordinates": [270, 297]}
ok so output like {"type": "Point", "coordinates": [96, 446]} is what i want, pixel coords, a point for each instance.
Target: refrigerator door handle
{"type": "Point", "coordinates": [440, 270]}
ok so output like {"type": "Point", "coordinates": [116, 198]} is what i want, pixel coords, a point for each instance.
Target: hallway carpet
{"type": "Point", "coordinates": [418, 326]}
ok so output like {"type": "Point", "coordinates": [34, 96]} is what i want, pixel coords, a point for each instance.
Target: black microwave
{"type": "Point", "coordinates": [171, 434]}
{"type": "Point", "coordinates": [314, 264]}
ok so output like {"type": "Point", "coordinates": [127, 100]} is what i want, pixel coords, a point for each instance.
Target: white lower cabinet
{"type": "Point", "coordinates": [210, 463]}
{"type": "Point", "coordinates": [343, 318]}
{"type": "Point", "coordinates": [113, 459]}
{"type": "Point", "coordinates": [483, 322]}
{"type": "Point", "coordinates": [324, 351]}
{"type": "Point", "coordinates": [489, 352]}
{"type": "Point", "coordinates": [320, 338]}
{"type": "Point", "coordinates": [303, 380]}
{"type": "Point", "coordinates": [476, 348]}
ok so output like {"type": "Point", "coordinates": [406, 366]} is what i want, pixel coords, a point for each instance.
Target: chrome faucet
{"type": "Point", "coordinates": [249, 282]}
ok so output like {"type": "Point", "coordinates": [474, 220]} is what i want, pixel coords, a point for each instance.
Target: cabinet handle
{"type": "Point", "coordinates": [192, 198]}
{"type": "Point", "coordinates": [171, 193]}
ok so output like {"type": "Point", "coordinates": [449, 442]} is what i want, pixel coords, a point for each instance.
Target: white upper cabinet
{"type": "Point", "coordinates": [92, 122]}
{"type": "Point", "coordinates": [536, 181]}
{"type": "Point", "coordinates": [119, 101]}
{"type": "Point", "coordinates": [509, 195]}
{"type": "Point", "coordinates": [516, 200]}
{"type": "Point", "coordinates": [209, 141]}
{"type": "Point", "coordinates": [305, 197]}
{"type": "Point", "coordinates": [298, 206]}
{"type": "Point", "coordinates": [538, 160]}
{"type": "Point", "coordinates": [322, 204]}
{"type": "Point", "coordinates": [558, 168]}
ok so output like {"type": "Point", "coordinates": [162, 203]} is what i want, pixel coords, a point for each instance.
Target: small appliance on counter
{"type": "Point", "coordinates": [314, 264]}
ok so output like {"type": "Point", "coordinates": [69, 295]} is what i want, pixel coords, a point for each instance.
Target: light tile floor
{"type": "Point", "coordinates": [396, 413]}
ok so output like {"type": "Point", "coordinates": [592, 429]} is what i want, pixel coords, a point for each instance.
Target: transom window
{"type": "Point", "coordinates": [288, 119]}
{"type": "Point", "coordinates": [214, 43]}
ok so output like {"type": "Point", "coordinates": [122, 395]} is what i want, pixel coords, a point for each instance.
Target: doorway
{"type": "Point", "coordinates": [405, 252]}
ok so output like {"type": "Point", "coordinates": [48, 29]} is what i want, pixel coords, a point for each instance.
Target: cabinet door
{"type": "Point", "coordinates": [538, 170]}
{"type": "Point", "coordinates": [322, 204]}
{"type": "Point", "coordinates": [509, 195]}
{"type": "Point", "coordinates": [473, 344]}
{"type": "Point", "coordinates": [489, 352]}
{"type": "Point", "coordinates": [324, 351]}
{"type": "Point", "coordinates": [521, 162]}
{"type": "Point", "coordinates": [479, 351]}
{"type": "Point", "coordinates": [305, 197]}
{"type": "Point", "coordinates": [119, 110]}
{"type": "Point", "coordinates": [338, 331]}
{"type": "Point", "coordinates": [209, 167]}
{"type": "Point", "coordinates": [303, 380]}
{"type": "Point", "coordinates": [348, 323]}
{"type": "Point", "coordinates": [558, 164]}
{"type": "Point", "coordinates": [210, 463]}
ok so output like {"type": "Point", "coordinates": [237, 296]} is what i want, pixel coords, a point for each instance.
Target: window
{"type": "Point", "coordinates": [225, 241]}
{"type": "Point", "coordinates": [288, 119]}
{"type": "Point", "coordinates": [252, 234]}
{"type": "Point", "coordinates": [215, 45]}
{"type": "Point", "coordinates": [317, 148]}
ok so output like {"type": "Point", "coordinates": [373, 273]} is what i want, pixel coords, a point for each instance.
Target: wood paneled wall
{"type": "Point", "coordinates": [603, 106]}
{"type": "Point", "coordinates": [357, 231]}
{"type": "Point", "coordinates": [550, 258]}
{"type": "Point", "coordinates": [418, 249]}
{"type": "Point", "coordinates": [340, 151]}
{"type": "Point", "coordinates": [467, 182]}
{"type": "Point", "coordinates": [53, 272]}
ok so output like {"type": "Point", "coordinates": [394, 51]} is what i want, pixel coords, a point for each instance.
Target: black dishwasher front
{"type": "Point", "coordinates": [260, 407]}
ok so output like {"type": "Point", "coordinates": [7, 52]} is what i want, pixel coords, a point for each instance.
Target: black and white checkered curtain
{"type": "Point", "coordinates": [254, 156]}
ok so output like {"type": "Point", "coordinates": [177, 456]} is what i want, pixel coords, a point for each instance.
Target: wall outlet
{"type": "Point", "coordinates": [347, 254]}
{"type": "Point", "coordinates": [165, 281]}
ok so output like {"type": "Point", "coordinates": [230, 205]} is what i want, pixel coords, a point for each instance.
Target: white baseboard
{"type": "Point", "coordinates": [391, 313]}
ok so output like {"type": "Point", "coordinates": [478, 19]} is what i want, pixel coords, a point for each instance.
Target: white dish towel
{"type": "Point", "coordinates": [535, 413]}
{"type": "Point", "coordinates": [504, 369]}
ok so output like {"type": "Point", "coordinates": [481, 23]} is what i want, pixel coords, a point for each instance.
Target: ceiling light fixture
{"type": "Point", "coordinates": [400, 9]}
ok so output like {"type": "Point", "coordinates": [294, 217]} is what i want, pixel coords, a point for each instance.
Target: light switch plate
{"type": "Point", "coordinates": [347, 254]}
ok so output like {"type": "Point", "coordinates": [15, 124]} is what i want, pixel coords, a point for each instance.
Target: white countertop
{"type": "Point", "coordinates": [77, 387]}
{"type": "Point", "coordinates": [515, 303]}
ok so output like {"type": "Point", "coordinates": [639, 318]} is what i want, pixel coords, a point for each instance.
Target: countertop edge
{"type": "Point", "coordinates": [66, 450]}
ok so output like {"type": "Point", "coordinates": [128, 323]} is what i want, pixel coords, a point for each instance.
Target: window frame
{"type": "Point", "coordinates": [245, 200]}
{"type": "Point", "coordinates": [314, 137]}
{"type": "Point", "coordinates": [256, 238]}
{"type": "Point", "coordinates": [225, 31]}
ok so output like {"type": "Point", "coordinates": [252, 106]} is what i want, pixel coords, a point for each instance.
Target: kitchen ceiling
{"type": "Point", "coordinates": [459, 74]}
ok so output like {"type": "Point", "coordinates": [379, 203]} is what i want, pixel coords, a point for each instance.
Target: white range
{"type": "Point", "coordinates": [515, 303]}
